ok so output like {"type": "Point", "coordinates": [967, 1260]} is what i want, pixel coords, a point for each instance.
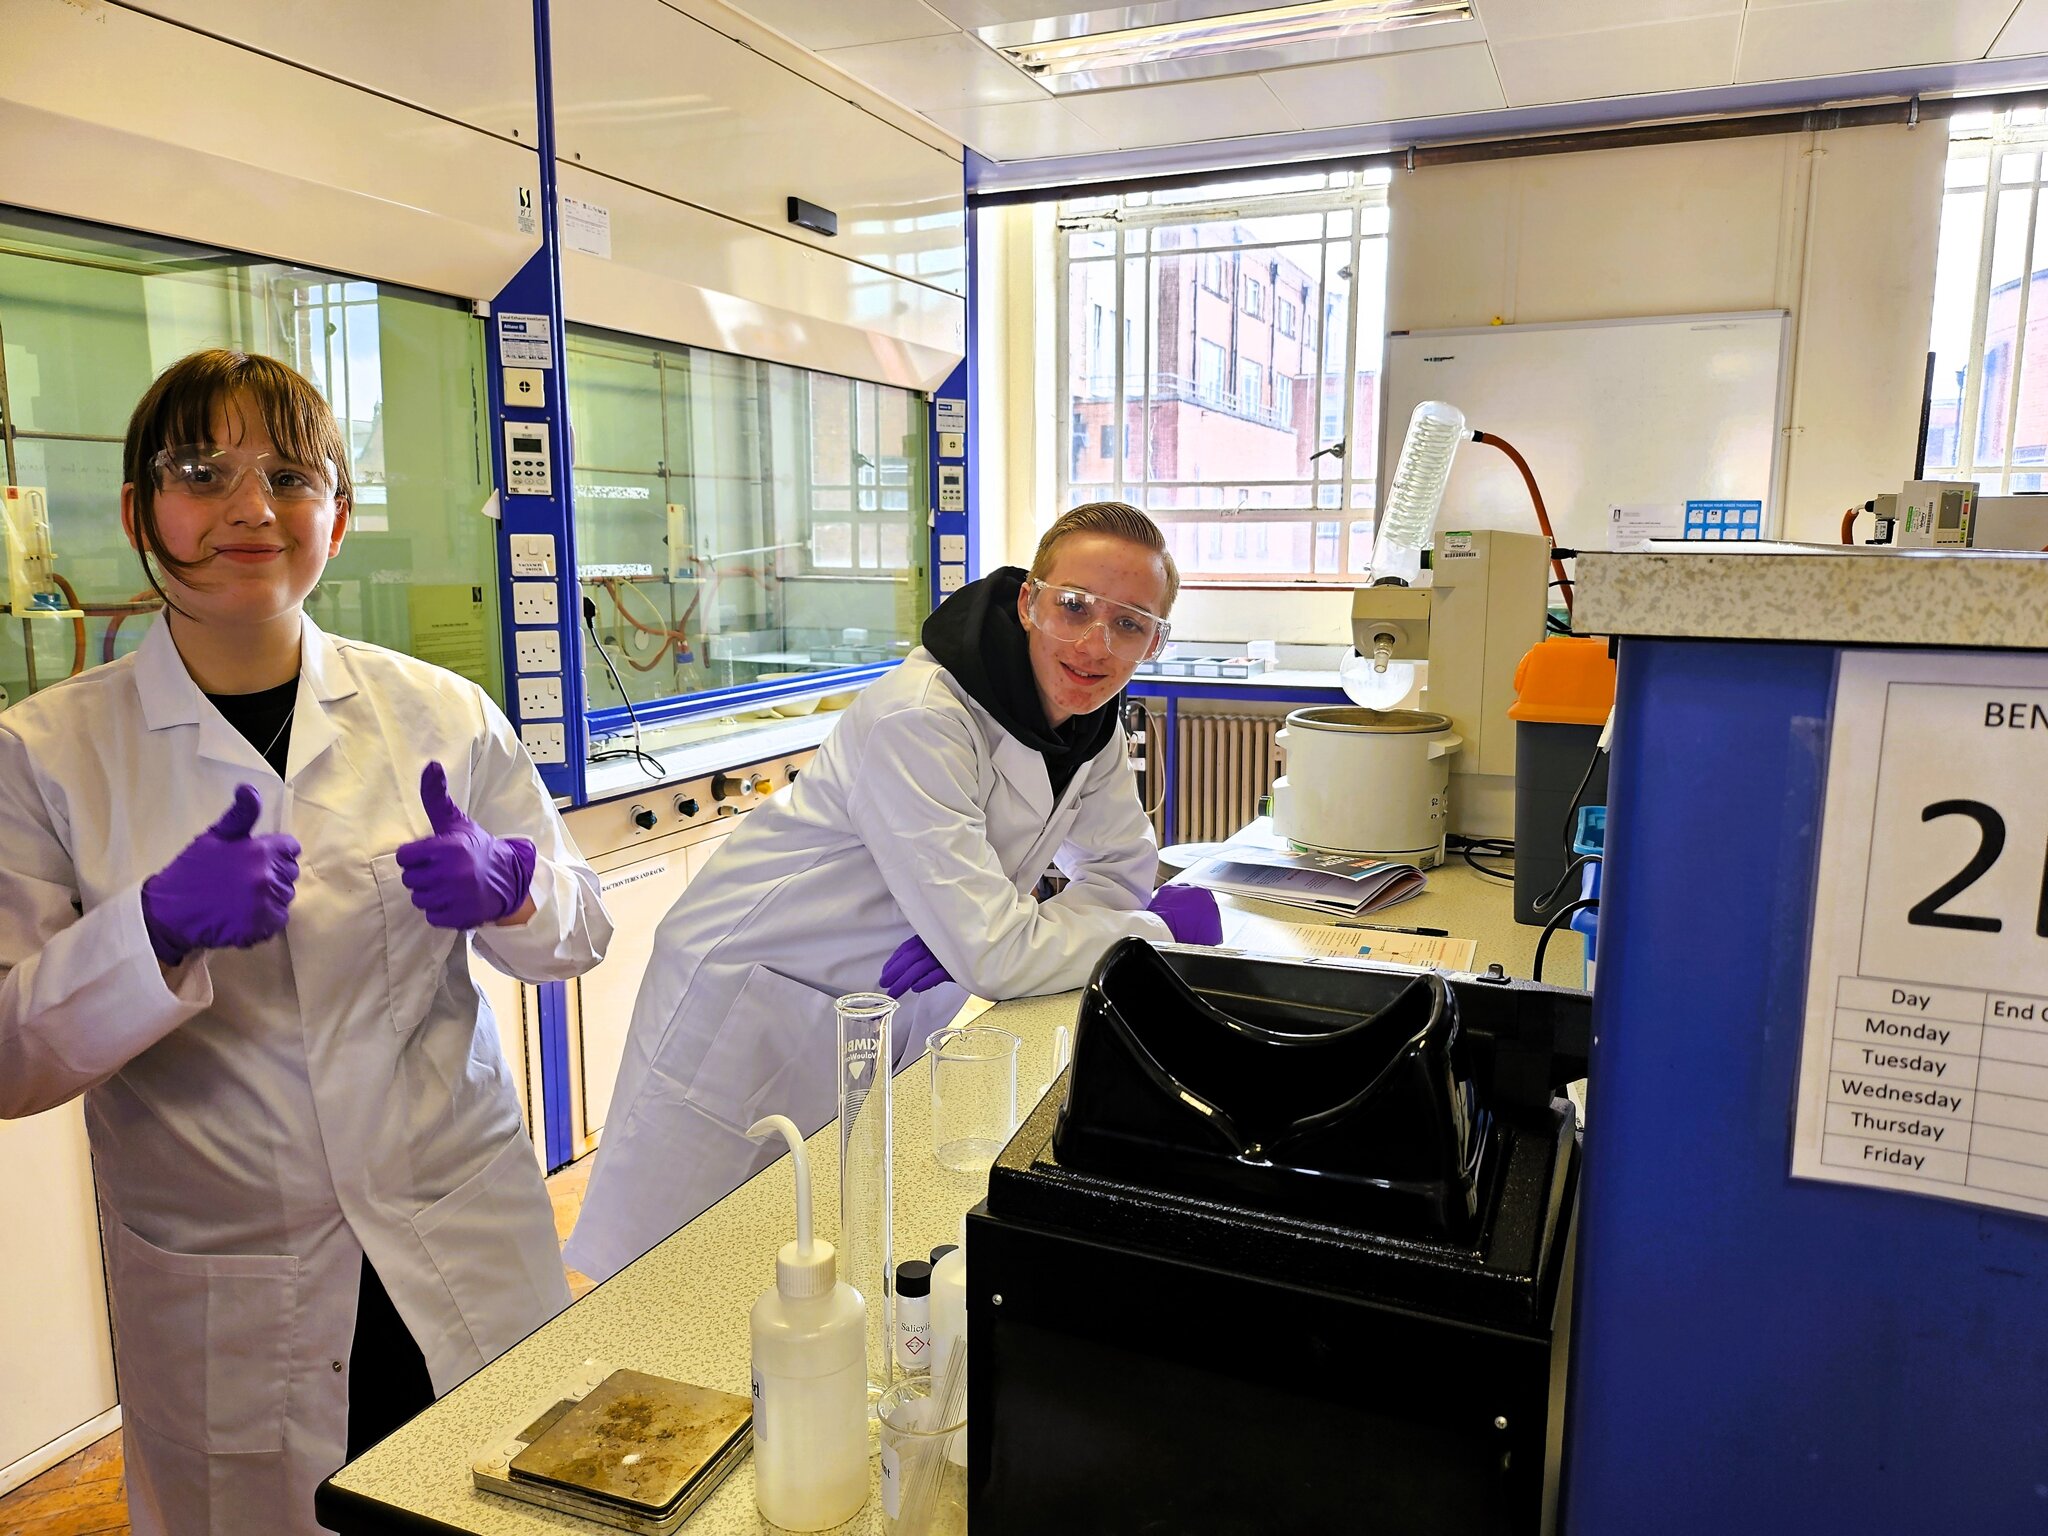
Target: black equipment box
{"type": "Point", "coordinates": [1286, 1251]}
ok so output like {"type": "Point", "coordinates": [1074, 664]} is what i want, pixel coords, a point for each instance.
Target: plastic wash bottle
{"type": "Point", "coordinates": [810, 1376]}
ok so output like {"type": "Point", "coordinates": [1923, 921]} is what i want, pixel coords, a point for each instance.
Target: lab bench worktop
{"type": "Point", "coordinates": [681, 1310]}
{"type": "Point", "coordinates": [1832, 594]}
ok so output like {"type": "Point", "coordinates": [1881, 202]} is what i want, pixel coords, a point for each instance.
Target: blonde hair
{"type": "Point", "coordinates": [1119, 520]}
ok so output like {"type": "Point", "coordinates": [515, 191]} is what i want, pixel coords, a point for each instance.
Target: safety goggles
{"type": "Point", "coordinates": [1067, 614]}
{"type": "Point", "coordinates": [214, 474]}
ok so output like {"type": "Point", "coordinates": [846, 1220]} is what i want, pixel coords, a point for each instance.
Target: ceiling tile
{"type": "Point", "coordinates": [846, 23]}
{"type": "Point", "coordinates": [2026, 32]}
{"type": "Point", "coordinates": [1025, 130]}
{"type": "Point", "coordinates": [1431, 82]}
{"type": "Point", "coordinates": [1233, 107]}
{"type": "Point", "coordinates": [1512, 20]}
{"type": "Point", "coordinates": [1792, 41]}
{"type": "Point", "coordinates": [1622, 61]}
{"type": "Point", "coordinates": [996, 13]}
{"type": "Point", "coordinates": [947, 73]}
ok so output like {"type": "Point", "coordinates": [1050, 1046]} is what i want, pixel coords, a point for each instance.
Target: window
{"type": "Point", "coordinates": [1220, 415]}
{"type": "Point", "coordinates": [1251, 388]}
{"type": "Point", "coordinates": [1988, 408]}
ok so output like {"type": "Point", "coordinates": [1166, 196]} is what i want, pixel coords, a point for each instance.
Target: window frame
{"type": "Point", "coordinates": [1365, 198]}
{"type": "Point", "coordinates": [2001, 371]}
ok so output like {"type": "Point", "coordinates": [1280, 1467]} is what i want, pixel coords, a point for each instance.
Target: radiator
{"type": "Point", "coordinates": [1223, 766]}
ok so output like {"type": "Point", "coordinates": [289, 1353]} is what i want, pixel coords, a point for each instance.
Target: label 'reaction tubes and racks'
{"type": "Point", "coordinates": [866, 1185]}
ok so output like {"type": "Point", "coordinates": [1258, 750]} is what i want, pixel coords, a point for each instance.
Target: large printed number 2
{"type": "Point", "coordinates": [1927, 913]}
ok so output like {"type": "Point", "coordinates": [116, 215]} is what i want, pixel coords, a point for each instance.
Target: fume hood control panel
{"type": "Point", "coordinates": [529, 466]}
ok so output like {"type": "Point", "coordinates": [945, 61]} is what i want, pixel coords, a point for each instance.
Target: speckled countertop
{"type": "Point", "coordinates": [1840, 594]}
{"type": "Point", "coordinates": [681, 1311]}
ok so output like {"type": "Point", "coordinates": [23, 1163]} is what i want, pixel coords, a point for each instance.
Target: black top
{"type": "Point", "coordinates": [264, 719]}
{"type": "Point", "coordinates": [976, 635]}
{"type": "Point", "coordinates": [913, 1278]}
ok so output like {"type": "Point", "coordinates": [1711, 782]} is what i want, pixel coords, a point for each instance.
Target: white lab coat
{"type": "Point", "coordinates": [261, 1118]}
{"type": "Point", "coordinates": [920, 815]}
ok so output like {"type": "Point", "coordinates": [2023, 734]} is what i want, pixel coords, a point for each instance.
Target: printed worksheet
{"type": "Point", "coordinates": [1260, 935]}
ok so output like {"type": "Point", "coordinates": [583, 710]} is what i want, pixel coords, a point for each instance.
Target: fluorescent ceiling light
{"type": "Point", "coordinates": [1149, 44]}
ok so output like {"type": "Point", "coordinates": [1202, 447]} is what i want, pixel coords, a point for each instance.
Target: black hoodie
{"type": "Point", "coordinates": [976, 635]}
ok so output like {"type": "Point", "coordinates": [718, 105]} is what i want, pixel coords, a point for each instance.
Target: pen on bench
{"type": "Point", "coordinates": [1427, 933]}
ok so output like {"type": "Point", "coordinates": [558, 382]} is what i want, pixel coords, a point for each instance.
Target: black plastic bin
{"type": "Point", "coordinates": [1550, 762]}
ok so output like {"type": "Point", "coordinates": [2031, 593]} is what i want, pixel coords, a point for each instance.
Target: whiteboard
{"type": "Point", "coordinates": [1607, 412]}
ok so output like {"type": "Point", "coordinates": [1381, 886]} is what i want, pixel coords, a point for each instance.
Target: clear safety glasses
{"type": "Point", "coordinates": [214, 474]}
{"type": "Point", "coordinates": [1068, 613]}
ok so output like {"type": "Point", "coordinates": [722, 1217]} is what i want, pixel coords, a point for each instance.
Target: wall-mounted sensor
{"type": "Point", "coordinates": [819, 221]}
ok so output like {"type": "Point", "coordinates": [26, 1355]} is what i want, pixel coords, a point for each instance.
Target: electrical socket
{"type": "Point", "coordinates": [538, 650]}
{"type": "Point", "coordinates": [533, 554]}
{"type": "Point", "coordinates": [540, 698]}
{"type": "Point", "coordinates": [533, 602]}
{"type": "Point", "coordinates": [546, 743]}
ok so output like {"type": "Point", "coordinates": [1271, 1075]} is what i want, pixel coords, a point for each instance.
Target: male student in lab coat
{"type": "Point", "coordinates": [240, 874]}
{"type": "Point", "coordinates": [908, 854]}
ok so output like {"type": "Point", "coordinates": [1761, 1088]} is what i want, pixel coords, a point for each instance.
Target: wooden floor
{"type": "Point", "coordinates": [79, 1497]}
{"type": "Point", "coordinates": [83, 1496]}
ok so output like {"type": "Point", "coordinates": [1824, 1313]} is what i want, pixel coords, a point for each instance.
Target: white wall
{"type": "Point", "coordinates": [1838, 228]}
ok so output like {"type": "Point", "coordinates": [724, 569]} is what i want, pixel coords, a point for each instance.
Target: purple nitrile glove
{"type": "Point", "coordinates": [462, 877]}
{"type": "Point", "coordinates": [1190, 913]}
{"type": "Point", "coordinates": [912, 968]}
{"type": "Point", "coordinates": [226, 890]}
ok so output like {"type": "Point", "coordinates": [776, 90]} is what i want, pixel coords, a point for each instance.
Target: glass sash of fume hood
{"type": "Point", "coordinates": [748, 533]}
{"type": "Point", "coordinates": [89, 316]}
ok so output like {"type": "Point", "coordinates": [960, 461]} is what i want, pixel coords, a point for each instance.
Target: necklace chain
{"type": "Point", "coordinates": [279, 733]}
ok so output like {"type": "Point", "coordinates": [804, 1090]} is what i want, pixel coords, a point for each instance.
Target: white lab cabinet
{"type": "Point", "coordinates": [641, 870]}
{"type": "Point", "coordinates": [638, 895]}
{"type": "Point", "coordinates": [56, 1342]}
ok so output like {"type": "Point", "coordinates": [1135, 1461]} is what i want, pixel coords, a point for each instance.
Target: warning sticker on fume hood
{"type": "Point", "coordinates": [1924, 1063]}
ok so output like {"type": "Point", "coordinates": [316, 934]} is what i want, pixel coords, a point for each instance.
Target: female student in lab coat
{"type": "Point", "coordinates": [239, 875]}
{"type": "Point", "coordinates": [908, 851]}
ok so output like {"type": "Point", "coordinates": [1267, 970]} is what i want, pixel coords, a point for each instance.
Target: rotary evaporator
{"type": "Point", "coordinates": [1426, 747]}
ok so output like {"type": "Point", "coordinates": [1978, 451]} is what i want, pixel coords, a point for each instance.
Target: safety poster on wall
{"type": "Point", "coordinates": [1925, 1062]}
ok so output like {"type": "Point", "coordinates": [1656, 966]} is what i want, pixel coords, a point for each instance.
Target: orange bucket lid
{"type": "Point", "coordinates": [1565, 680]}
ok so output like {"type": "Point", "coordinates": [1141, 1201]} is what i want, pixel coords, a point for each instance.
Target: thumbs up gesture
{"type": "Point", "coordinates": [226, 890]}
{"type": "Point", "coordinates": [462, 877]}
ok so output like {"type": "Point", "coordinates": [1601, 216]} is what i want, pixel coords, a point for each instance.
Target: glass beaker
{"type": "Point", "coordinates": [924, 1490]}
{"type": "Point", "coordinates": [866, 1186]}
{"type": "Point", "coordinates": [974, 1095]}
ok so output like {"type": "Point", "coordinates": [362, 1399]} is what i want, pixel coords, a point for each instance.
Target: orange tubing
{"type": "Point", "coordinates": [1849, 526]}
{"type": "Point", "coordinates": [1536, 498]}
{"type": "Point", "coordinates": [114, 623]}
{"type": "Point", "coordinates": [77, 625]}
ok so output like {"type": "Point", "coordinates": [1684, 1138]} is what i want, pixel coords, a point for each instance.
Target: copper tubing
{"type": "Point", "coordinates": [77, 625]}
{"type": "Point", "coordinates": [1495, 440]}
